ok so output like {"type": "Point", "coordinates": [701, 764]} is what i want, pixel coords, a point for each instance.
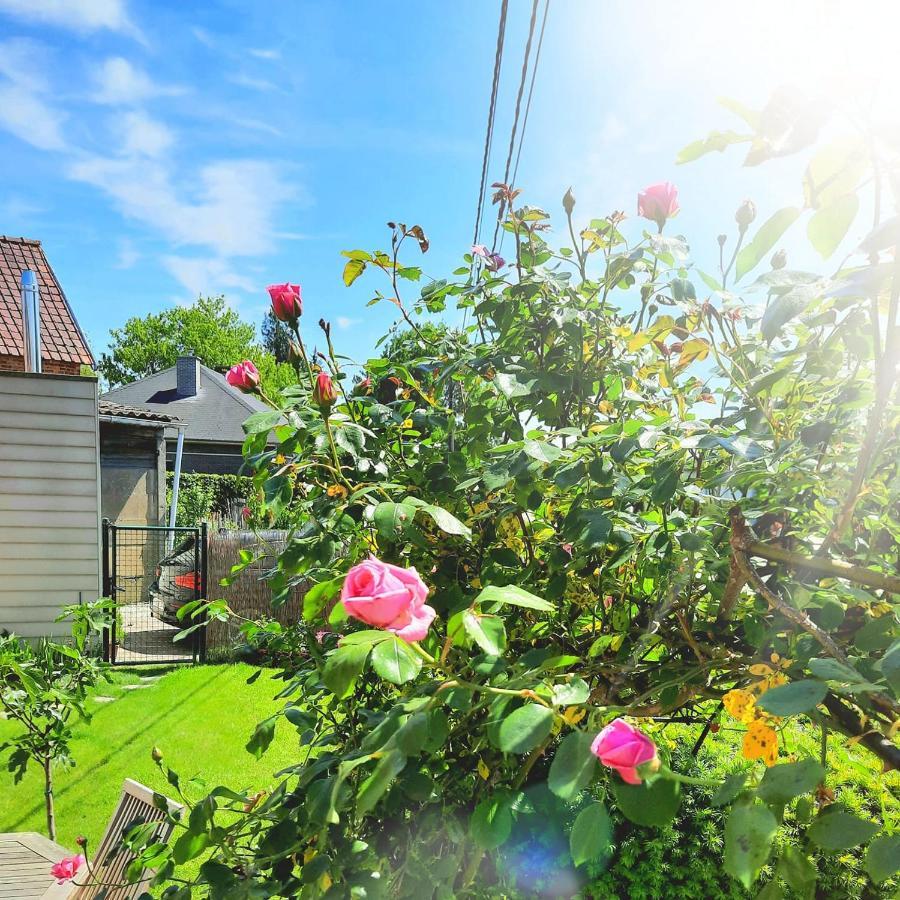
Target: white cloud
{"type": "Point", "coordinates": [228, 207]}
{"type": "Point", "coordinates": [77, 15]}
{"type": "Point", "coordinates": [209, 276]}
{"type": "Point", "coordinates": [265, 53]}
{"type": "Point", "coordinates": [253, 84]}
{"type": "Point", "coordinates": [202, 35]}
{"type": "Point", "coordinates": [24, 110]}
{"type": "Point", "coordinates": [344, 322]}
{"type": "Point", "coordinates": [119, 83]}
{"type": "Point", "coordinates": [128, 254]}
{"type": "Point", "coordinates": [141, 135]}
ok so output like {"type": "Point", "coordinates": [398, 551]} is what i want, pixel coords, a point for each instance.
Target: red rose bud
{"type": "Point", "coordinates": [324, 393]}
{"type": "Point", "coordinates": [745, 214]}
{"type": "Point", "coordinates": [244, 376]}
{"type": "Point", "coordinates": [287, 305]}
{"type": "Point", "coordinates": [81, 841]}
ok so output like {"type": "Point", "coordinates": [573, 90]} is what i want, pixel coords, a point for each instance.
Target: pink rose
{"type": "Point", "coordinates": [244, 376]}
{"type": "Point", "coordinates": [492, 261]}
{"type": "Point", "coordinates": [287, 305]}
{"type": "Point", "coordinates": [658, 202]}
{"type": "Point", "coordinates": [388, 597]}
{"type": "Point", "coordinates": [623, 747]}
{"type": "Point", "coordinates": [66, 869]}
{"type": "Point", "coordinates": [324, 393]}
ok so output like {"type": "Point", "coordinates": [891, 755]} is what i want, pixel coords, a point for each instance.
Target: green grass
{"type": "Point", "coordinates": [200, 717]}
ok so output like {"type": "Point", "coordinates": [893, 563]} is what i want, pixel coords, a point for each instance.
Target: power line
{"type": "Point", "coordinates": [515, 126]}
{"type": "Point", "coordinates": [534, 69]}
{"type": "Point", "coordinates": [492, 109]}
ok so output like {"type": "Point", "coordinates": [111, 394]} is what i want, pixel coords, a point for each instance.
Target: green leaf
{"type": "Point", "coordinates": [729, 789]}
{"type": "Point", "coordinates": [523, 729]}
{"type": "Point", "coordinates": [595, 530]}
{"type": "Point", "coordinates": [392, 519]}
{"type": "Point", "coordinates": [831, 670]}
{"type": "Point", "coordinates": [262, 421]}
{"type": "Point", "coordinates": [783, 782]}
{"type": "Point", "coordinates": [261, 737]}
{"type": "Point", "coordinates": [765, 239]}
{"type": "Point", "coordinates": [793, 698]}
{"type": "Point", "coordinates": [491, 822]}
{"type": "Point", "coordinates": [367, 638]}
{"type": "Point", "coordinates": [352, 271]}
{"type": "Point", "coordinates": [395, 661]}
{"type": "Point", "coordinates": [748, 841]}
{"type": "Point", "coordinates": [591, 835]}
{"type": "Point", "coordinates": [413, 734]}
{"type": "Point", "coordinates": [487, 631]}
{"type": "Point", "coordinates": [343, 667]}
{"type": "Point", "coordinates": [715, 141]}
{"type": "Point", "coordinates": [797, 870]}
{"type": "Point", "coordinates": [189, 846]}
{"type": "Point", "coordinates": [890, 666]}
{"type": "Point", "coordinates": [883, 857]}
{"type": "Point", "coordinates": [835, 829]}
{"type": "Point", "coordinates": [542, 451]}
{"type": "Point", "coordinates": [316, 598]}
{"type": "Point", "coordinates": [648, 804]}
{"type": "Point", "coordinates": [573, 766]}
{"type": "Point", "coordinates": [447, 522]}
{"type": "Point", "coordinates": [828, 226]}
{"type": "Point", "coordinates": [571, 693]}
{"type": "Point", "coordinates": [514, 596]}
{"type": "Point", "coordinates": [786, 307]}
{"type": "Point", "coordinates": [387, 769]}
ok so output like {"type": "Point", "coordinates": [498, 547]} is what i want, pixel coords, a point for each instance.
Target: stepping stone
{"type": "Point", "coordinates": [100, 699]}
{"type": "Point", "coordinates": [134, 687]}
{"type": "Point", "coordinates": [150, 678]}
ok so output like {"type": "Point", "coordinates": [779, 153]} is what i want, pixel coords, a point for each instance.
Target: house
{"type": "Point", "coordinates": [64, 349]}
{"type": "Point", "coordinates": [209, 409]}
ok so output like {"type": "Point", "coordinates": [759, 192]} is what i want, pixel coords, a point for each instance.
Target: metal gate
{"type": "Point", "coordinates": [151, 571]}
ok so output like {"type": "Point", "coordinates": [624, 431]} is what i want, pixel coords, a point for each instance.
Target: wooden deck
{"type": "Point", "coordinates": [25, 861]}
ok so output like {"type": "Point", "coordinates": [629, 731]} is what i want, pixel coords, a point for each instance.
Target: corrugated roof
{"type": "Point", "coordinates": [214, 414]}
{"type": "Point", "coordinates": [61, 338]}
{"type": "Point", "coordinates": [120, 411]}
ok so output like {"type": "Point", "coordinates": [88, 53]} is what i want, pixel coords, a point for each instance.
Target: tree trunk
{"type": "Point", "coordinates": [48, 800]}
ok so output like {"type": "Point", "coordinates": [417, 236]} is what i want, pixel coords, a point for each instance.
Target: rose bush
{"type": "Point", "coordinates": [636, 495]}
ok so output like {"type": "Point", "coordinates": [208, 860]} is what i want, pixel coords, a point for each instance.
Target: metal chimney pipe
{"type": "Point", "coordinates": [31, 321]}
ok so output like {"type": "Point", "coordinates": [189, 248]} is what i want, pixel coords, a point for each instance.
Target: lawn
{"type": "Point", "coordinates": [200, 717]}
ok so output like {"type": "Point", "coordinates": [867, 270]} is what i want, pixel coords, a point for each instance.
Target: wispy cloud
{"type": "Point", "coordinates": [264, 53]}
{"type": "Point", "coordinates": [119, 83]}
{"type": "Point", "coordinates": [254, 84]}
{"type": "Point", "coordinates": [141, 135]}
{"type": "Point", "coordinates": [209, 276]}
{"type": "Point", "coordinates": [25, 109]}
{"type": "Point", "coordinates": [228, 207]}
{"type": "Point", "coordinates": [128, 254]}
{"type": "Point", "coordinates": [75, 15]}
{"type": "Point", "coordinates": [344, 322]}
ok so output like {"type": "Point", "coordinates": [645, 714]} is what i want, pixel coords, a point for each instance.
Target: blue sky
{"type": "Point", "coordinates": [165, 149]}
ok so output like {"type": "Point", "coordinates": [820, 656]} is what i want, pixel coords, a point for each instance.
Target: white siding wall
{"type": "Point", "coordinates": [49, 509]}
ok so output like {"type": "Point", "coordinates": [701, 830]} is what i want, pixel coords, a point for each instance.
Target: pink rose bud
{"type": "Point", "coordinates": [287, 305]}
{"type": "Point", "coordinates": [623, 747]}
{"type": "Point", "coordinates": [67, 868]}
{"type": "Point", "coordinates": [745, 214]}
{"type": "Point", "coordinates": [324, 393]}
{"type": "Point", "coordinates": [244, 376]}
{"type": "Point", "coordinates": [388, 597]}
{"type": "Point", "coordinates": [492, 261]}
{"type": "Point", "coordinates": [658, 202]}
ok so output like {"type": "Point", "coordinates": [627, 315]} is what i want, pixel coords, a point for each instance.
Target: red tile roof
{"type": "Point", "coordinates": [61, 338]}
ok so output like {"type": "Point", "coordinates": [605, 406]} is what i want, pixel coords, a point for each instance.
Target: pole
{"type": "Point", "coordinates": [176, 480]}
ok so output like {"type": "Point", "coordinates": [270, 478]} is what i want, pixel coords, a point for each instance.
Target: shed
{"type": "Point", "coordinates": [49, 499]}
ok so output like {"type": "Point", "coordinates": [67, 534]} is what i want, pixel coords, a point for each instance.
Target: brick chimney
{"type": "Point", "coordinates": [187, 373]}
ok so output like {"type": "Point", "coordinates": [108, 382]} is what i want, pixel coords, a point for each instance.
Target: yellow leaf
{"type": "Point", "coordinates": [761, 669]}
{"type": "Point", "coordinates": [483, 770]}
{"type": "Point", "coordinates": [574, 714]}
{"type": "Point", "coordinates": [637, 341]}
{"type": "Point", "coordinates": [694, 350]}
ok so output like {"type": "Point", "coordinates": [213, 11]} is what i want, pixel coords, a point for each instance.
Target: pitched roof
{"type": "Point", "coordinates": [214, 414]}
{"type": "Point", "coordinates": [61, 338]}
{"type": "Point", "coordinates": [120, 411]}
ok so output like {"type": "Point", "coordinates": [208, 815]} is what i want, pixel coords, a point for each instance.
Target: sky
{"type": "Point", "coordinates": [162, 150]}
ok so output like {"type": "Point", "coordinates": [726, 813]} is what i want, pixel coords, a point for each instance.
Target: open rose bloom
{"type": "Point", "coordinates": [659, 202]}
{"type": "Point", "coordinates": [67, 868]}
{"type": "Point", "coordinates": [623, 747]}
{"type": "Point", "coordinates": [388, 597]}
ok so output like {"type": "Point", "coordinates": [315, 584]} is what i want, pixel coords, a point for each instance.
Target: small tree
{"type": "Point", "coordinates": [40, 688]}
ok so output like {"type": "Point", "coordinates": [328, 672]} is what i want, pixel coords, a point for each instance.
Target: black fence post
{"type": "Point", "coordinates": [104, 564]}
{"type": "Point", "coordinates": [204, 573]}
